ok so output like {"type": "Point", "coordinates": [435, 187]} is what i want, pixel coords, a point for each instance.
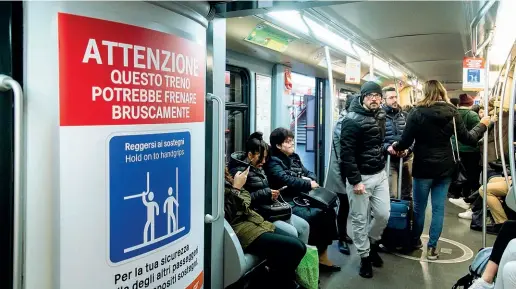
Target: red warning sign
{"type": "Point", "coordinates": [117, 74]}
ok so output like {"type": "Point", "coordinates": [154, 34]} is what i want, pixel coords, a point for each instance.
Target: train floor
{"type": "Point", "coordinates": [457, 246]}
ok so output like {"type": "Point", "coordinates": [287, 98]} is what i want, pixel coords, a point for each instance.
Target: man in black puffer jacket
{"type": "Point", "coordinates": [394, 126]}
{"type": "Point", "coordinates": [362, 163]}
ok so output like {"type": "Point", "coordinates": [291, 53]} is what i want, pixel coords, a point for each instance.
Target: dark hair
{"type": "Point", "coordinates": [256, 144]}
{"type": "Point", "coordinates": [476, 108]}
{"type": "Point", "coordinates": [387, 89]}
{"type": "Point", "coordinates": [455, 101]}
{"type": "Point", "coordinates": [227, 176]}
{"type": "Point", "coordinates": [349, 100]}
{"type": "Point", "coordinates": [279, 136]}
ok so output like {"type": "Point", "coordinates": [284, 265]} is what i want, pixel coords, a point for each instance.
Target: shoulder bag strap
{"type": "Point", "coordinates": [456, 139]}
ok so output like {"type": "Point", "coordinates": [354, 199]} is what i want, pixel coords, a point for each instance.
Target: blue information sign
{"type": "Point", "coordinates": [149, 192]}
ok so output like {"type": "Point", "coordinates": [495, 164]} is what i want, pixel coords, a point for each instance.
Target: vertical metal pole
{"type": "Point", "coordinates": [295, 126]}
{"type": "Point", "coordinates": [7, 83]}
{"type": "Point", "coordinates": [330, 133]}
{"type": "Point", "coordinates": [511, 129]}
{"type": "Point", "coordinates": [371, 67]}
{"type": "Point", "coordinates": [500, 118]}
{"type": "Point", "coordinates": [484, 156]}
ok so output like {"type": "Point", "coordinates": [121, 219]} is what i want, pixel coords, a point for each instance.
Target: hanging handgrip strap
{"type": "Point", "coordinates": [7, 83]}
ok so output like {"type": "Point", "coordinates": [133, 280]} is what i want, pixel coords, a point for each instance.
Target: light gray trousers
{"type": "Point", "coordinates": [376, 200]}
{"type": "Point", "coordinates": [506, 277]}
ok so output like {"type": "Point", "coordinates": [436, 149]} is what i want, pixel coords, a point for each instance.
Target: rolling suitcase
{"type": "Point", "coordinates": [397, 234]}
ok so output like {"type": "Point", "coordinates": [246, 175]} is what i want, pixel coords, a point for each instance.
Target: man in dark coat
{"type": "Point", "coordinates": [362, 164]}
{"type": "Point", "coordinates": [394, 125]}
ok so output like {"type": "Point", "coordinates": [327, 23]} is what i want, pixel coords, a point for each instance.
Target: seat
{"type": "Point", "coordinates": [237, 264]}
{"type": "Point", "coordinates": [510, 200]}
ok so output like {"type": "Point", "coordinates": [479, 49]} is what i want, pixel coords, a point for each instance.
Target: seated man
{"type": "Point", "coordinates": [496, 188]}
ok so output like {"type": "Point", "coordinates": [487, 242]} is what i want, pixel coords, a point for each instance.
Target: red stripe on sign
{"type": "Point", "coordinates": [117, 74]}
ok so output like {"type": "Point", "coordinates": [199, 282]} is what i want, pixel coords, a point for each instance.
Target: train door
{"type": "Point", "coordinates": [10, 65]}
{"type": "Point", "coordinates": [303, 119]}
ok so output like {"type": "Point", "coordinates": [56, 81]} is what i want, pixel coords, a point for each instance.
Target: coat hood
{"type": "Point", "coordinates": [441, 113]}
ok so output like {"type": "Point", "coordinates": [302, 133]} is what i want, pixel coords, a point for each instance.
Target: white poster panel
{"type": "Point", "coordinates": [131, 143]}
{"type": "Point", "coordinates": [473, 74]}
{"type": "Point", "coordinates": [352, 70]}
{"type": "Point", "coordinates": [263, 105]}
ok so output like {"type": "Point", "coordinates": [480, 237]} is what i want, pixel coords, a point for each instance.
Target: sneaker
{"type": "Point", "coordinates": [366, 269]}
{"type": "Point", "coordinates": [431, 253]}
{"type": "Point", "coordinates": [416, 245]}
{"type": "Point", "coordinates": [481, 284]}
{"type": "Point", "coordinates": [460, 203]}
{"type": "Point", "coordinates": [468, 215]}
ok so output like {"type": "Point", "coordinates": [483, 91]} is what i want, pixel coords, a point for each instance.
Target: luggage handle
{"type": "Point", "coordinates": [400, 174]}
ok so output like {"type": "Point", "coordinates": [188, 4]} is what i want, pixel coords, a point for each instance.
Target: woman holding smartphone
{"type": "Point", "coordinates": [257, 184]}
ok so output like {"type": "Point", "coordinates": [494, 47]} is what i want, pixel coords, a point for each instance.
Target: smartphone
{"type": "Point", "coordinates": [283, 188]}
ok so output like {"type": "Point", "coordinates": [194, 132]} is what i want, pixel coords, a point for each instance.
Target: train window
{"type": "Point", "coordinates": [237, 109]}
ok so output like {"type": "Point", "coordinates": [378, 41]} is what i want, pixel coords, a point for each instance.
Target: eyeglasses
{"type": "Point", "coordinates": [374, 95]}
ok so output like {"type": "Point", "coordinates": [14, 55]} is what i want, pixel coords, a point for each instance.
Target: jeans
{"type": "Point", "coordinates": [295, 226]}
{"type": "Point", "coordinates": [376, 201]}
{"type": "Point", "coordinates": [422, 189]}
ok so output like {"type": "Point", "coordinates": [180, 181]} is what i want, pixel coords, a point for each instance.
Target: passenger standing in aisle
{"type": "Point", "coordinates": [431, 126]}
{"type": "Point", "coordinates": [394, 126]}
{"type": "Point", "coordinates": [334, 182]}
{"type": "Point", "coordinates": [362, 165]}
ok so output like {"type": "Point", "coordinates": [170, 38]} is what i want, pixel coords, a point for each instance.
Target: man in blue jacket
{"type": "Point", "coordinates": [394, 125]}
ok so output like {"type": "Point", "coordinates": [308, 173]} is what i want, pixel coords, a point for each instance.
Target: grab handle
{"type": "Point", "coordinates": [219, 174]}
{"type": "Point", "coordinates": [6, 84]}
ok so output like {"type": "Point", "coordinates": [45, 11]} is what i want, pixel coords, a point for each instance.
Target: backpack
{"type": "Point", "coordinates": [476, 269]}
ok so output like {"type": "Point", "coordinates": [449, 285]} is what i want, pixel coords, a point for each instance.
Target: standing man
{"type": "Point", "coordinates": [394, 126]}
{"type": "Point", "coordinates": [362, 164]}
{"type": "Point", "coordinates": [335, 183]}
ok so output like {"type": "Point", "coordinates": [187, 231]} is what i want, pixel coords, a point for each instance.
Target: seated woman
{"type": "Point", "coordinates": [284, 168]}
{"type": "Point", "coordinates": [502, 263]}
{"type": "Point", "coordinates": [257, 185]}
{"type": "Point", "coordinates": [257, 237]}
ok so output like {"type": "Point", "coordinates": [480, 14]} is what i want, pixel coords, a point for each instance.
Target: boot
{"type": "Point", "coordinates": [376, 260]}
{"type": "Point", "coordinates": [366, 270]}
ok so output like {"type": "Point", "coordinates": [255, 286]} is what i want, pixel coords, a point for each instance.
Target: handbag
{"type": "Point", "coordinates": [322, 198]}
{"type": "Point", "coordinates": [460, 175]}
{"type": "Point", "coordinates": [276, 211]}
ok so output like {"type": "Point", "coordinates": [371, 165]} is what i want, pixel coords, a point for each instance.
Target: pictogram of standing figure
{"type": "Point", "coordinates": [168, 207]}
{"type": "Point", "coordinates": [152, 208]}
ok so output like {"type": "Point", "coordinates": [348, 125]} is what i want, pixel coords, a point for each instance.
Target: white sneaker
{"type": "Point", "coordinates": [468, 215]}
{"type": "Point", "coordinates": [481, 284]}
{"type": "Point", "coordinates": [460, 203]}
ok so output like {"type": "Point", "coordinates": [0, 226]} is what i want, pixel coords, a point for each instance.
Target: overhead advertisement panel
{"type": "Point", "coordinates": [352, 70]}
{"type": "Point", "coordinates": [271, 37]}
{"type": "Point", "coordinates": [131, 115]}
{"type": "Point", "coordinates": [473, 74]}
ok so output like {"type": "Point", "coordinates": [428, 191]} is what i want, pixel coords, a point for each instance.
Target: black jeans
{"type": "Point", "coordinates": [506, 234]}
{"type": "Point", "coordinates": [283, 254]}
{"type": "Point", "coordinates": [471, 161]}
{"type": "Point", "coordinates": [323, 229]}
{"type": "Point", "coordinates": [342, 217]}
